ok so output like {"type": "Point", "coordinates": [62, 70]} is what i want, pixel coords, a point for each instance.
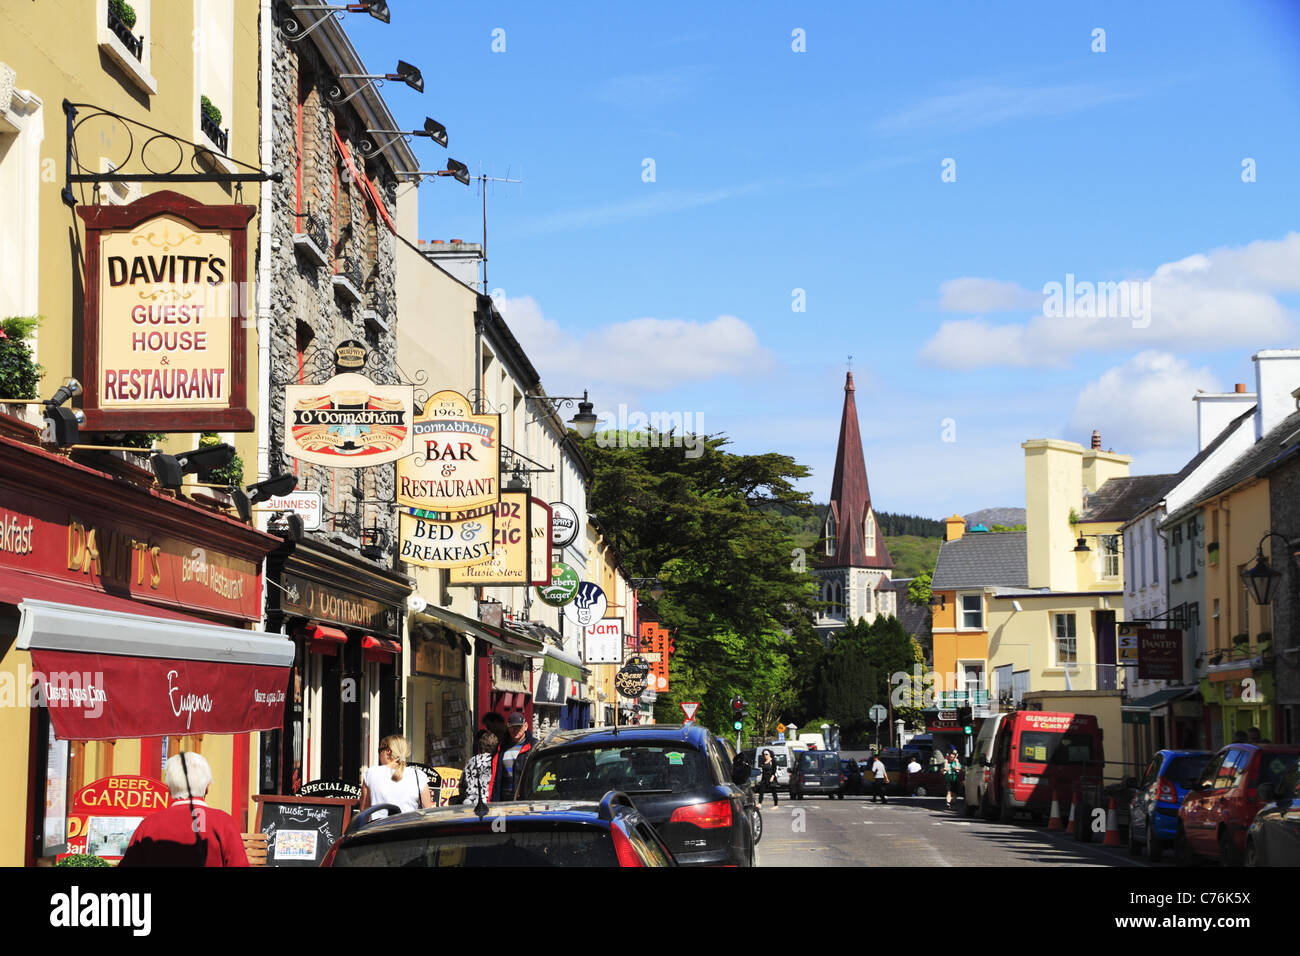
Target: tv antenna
{"type": "Point", "coordinates": [483, 180]}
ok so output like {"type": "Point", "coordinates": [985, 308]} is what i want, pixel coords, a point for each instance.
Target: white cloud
{"type": "Point", "coordinates": [648, 353]}
{"type": "Point", "coordinates": [970, 294]}
{"type": "Point", "coordinates": [658, 203]}
{"type": "Point", "coordinates": [1144, 403]}
{"type": "Point", "coordinates": [1223, 299]}
{"type": "Point", "coordinates": [989, 104]}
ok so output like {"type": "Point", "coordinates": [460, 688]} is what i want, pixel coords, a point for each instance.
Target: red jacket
{"type": "Point", "coordinates": [175, 837]}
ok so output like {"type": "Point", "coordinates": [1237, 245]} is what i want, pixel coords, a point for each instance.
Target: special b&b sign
{"type": "Point", "coordinates": [166, 290]}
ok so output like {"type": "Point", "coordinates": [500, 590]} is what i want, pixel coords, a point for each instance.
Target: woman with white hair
{"type": "Point", "coordinates": [390, 782]}
{"type": "Point", "coordinates": [188, 832]}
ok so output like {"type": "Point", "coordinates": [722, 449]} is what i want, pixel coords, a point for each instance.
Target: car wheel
{"type": "Point", "coordinates": [840, 795]}
{"type": "Point", "coordinates": [1228, 855]}
{"type": "Point", "coordinates": [756, 821]}
{"type": "Point", "coordinates": [1182, 850]}
{"type": "Point", "coordinates": [1005, 813]}
{"type": "Point", "coordinates": [970, 808]}
{"type": "Point", "coordinates": [921, 792]}
{"type": "Point", "coordinates": [1155, 848]}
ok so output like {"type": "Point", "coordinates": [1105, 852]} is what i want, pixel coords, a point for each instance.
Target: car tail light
{"type": "Point", "coordinates": [627, 855]}
{"type": "Point", "coordinates": [1166, 791]}
{"type": "Point", "coordinates": [706, 815]}
{"type": "Point", "coordinates": [330, 854]}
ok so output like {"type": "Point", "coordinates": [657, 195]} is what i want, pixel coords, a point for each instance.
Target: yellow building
{"type": "Point", "coordinates": [175, 89]}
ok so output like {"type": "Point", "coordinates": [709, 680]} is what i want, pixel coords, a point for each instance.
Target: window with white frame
{"type": "Point", "coordinates": [1176, 545]}
{"type": "Point", "coordinates": [214, 73]}
{"type": "Point", "coordinates": [1110, 555]}
{"type": "Point", "coordinates": [972, 612]}
{"type": "Point", "coordinates": [830, 532]}
{"type": "Point", "coordinates": [1064, 643]}
{"type": "Point", "coordinates": [122, 32]}
{"type": "Point", "coordinates": [869, 533]}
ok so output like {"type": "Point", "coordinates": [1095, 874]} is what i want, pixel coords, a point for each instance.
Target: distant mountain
{"type": "Point", "coordinates": [991, 516]}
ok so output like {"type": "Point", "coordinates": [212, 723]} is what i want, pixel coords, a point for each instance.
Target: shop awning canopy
{"type": "Point", "coordinates": [379, 648]}
{"type": "Point", "coordinates": [516, 642]}
{"type": "Point", "coordinates": [109, 675]}
{"type": "Point", "coordinates": [1159, 699]}
{"type": "Point", "coordinates": [563, 663]}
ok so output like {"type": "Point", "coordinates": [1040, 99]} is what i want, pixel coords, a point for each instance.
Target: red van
{"type": "Point", "coordinates": [1039, 755]}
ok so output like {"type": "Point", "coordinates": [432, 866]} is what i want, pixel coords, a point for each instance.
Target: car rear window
{"type": "Point", "coordinates": [1040, 746]}
{"type": "Point", "coordinates": [513, 846]}
{"type": "Point", "coordinates": [1186, 770]}
{"type": "Point", "coordinates": [1273, 765]}
{"type": "Point", "coordinates": [591, 772]}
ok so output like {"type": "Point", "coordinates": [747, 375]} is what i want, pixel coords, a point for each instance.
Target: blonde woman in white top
{"type": "Point", "coordinates": [391, 781]}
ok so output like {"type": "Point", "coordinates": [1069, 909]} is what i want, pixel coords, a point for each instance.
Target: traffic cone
{"type": "Point", "coordinates": [1112, 826]}
{"type": "Point", "coordinates": [1074, 802]}
{"type": "Point", "coordinates": [1054, 818]}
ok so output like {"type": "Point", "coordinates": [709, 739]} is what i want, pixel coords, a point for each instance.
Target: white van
{"type": "Point", "coordinates": [977, 766]}
{"type": "Point", "coordinates": [783, 753]}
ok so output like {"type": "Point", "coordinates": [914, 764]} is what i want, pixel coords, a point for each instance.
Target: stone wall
{"type": "Point", "coordinates": [1284, 518]}
{"type": "Point", "coordinates": [306, 310]}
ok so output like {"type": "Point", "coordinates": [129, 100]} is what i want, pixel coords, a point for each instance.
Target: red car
{"type": "Point", "coordinates": [1213, 819]}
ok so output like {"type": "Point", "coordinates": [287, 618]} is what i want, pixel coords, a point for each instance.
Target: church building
{"type": "Point", "coordinates": [853, 565]}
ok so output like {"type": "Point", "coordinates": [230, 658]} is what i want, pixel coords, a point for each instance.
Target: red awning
{"type": "Point", "coordinates": [107, 697]}
{"type": "Point", "coordinates": [326, 640]}
{"type": "Point", "coordinates": [108, 675]}
{"type": "Point", "coordinates": [379, 649]}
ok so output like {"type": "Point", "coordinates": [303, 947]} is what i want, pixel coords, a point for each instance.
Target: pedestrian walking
{"type": "Point", "coordinates": [951, 771]}
{"type": "Point", "coordinates": [881, 778]}
{"type": "Point", "coordinates": [477, 775]}
{"type": "Point", "coordinates": [189, 832]}
{"type": "Point", "coordinates": [767, 767]}
{"type": "Point", "coordinates": [388, 781]}
{"type": "Point", "coordinates": [511, 756]}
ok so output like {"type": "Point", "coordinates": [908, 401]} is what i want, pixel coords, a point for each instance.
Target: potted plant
{"type": "Point", "coordinates": [231, 473]}
{"type": "Point", "coordinates": [210, 112]}
{"type": "Point", "coordinates": [19, 373]}
{"type": "Point", "coordinates": [123, 11]}
{"type": "Point", "coordinates": [1212, 552]}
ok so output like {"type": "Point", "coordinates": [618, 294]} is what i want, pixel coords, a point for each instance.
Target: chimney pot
{"type": "Point", "coordinates": [1096, 439]}
{"type": "Point", "coordinates": [1241, 388]}
{"type": "Point", "coordinates": [438, 242]}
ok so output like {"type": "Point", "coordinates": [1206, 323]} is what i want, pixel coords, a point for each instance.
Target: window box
{"type": "Point", "coordinates": [376, 313]}
{"type": "Point", "coordinates": [128, 51]}
{"type": "Point", "coordinates": [1212, 552]}
{"type": "Point", "coordinates": [210, 125]}
{"type": "Point", "coordinates": [347, 280]}
{"type": "Point", "coordinates": [312, 238]}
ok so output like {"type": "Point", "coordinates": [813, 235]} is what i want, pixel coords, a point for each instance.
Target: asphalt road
{"type": "Point", "coordinates": [914, 831]}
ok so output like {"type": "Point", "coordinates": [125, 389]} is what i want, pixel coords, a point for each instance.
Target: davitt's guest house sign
{"type": "Point", "coordinates": [166, 295]}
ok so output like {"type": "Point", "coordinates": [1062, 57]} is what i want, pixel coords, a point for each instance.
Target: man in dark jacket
{"type": "Point", "coordinates": [511, 758]}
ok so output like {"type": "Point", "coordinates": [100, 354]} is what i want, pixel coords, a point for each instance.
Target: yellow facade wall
{"type": "Point", "coordinates": [1025, 638]}
{"type": "Point", "coordinates": [1236, 521]}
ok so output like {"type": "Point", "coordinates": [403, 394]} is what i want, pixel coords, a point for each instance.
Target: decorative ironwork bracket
{"type": "Point", "coordinates": [167, 148]}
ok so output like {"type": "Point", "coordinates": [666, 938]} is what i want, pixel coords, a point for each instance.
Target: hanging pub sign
{"type": "Point", "coordinates": [445, 544]}
{"type": "Point", "coordinates": [540, 533]}
{"type": "Point", "coordinates": [349, 421]}
{"type": "Point", "coordinates": [166, 290]}
{"type": "Point", "coordinates": [509, 563]}
{"type": "Point", "coordinates": [563, 587]}
{"type": "Point", "coordinates": [1160, 653]}
{"type": "Point", "coordinates": [564, 524]}
{"type": "Point", "coordinates": [630, 681]}
{"type": "Point", "coordinates": [588, 605]}
{"type": "Point", "coordinates": [456, 462]}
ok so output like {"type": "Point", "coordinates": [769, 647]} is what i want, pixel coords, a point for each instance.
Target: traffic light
{"type": "Point", "coordinates": [737, 713]}
{"type": "Point", "coordinates": [965, 717]}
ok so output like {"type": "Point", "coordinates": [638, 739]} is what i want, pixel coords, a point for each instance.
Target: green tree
{"type": "Point", "coordinates": [919, 591]}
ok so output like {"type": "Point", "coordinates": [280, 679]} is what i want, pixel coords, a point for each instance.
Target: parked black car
{"type": "Point", "coordinates": [678, 777]}
{"type": "Point", "coordinates": [748, 786]}
{"type": "Point", "coordinates": [610, 832]}
{"type": "Point", "coordinates": [1274, 837]}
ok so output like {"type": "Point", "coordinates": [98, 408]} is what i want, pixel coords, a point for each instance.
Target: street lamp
{"type": "Point", "coordinates": [290, 27]}
{"type": "Point", "coordinates": [584, 421]}
{"type": "Point", "coordinates": [432, 130]}
{"type": "Point", "coordinates": [456, 169]}
{"type": "Point", "coordinates": [653, 585]}
{"type": "Point", "coordinates": [1261, 578]}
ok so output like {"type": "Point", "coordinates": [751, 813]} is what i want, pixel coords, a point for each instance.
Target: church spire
{"type": "Point", "coordinates": [851, 499]}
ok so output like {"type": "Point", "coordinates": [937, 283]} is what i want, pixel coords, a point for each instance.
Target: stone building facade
{"type": "Point", "coordinates": [333, 257]}
{"type": "Point", "coordinates": [1284, 509]}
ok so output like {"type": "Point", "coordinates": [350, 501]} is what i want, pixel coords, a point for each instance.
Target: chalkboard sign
{"type": "Point", "coordinates": [300, 830]}
{"type": "Point", "coordinates": [331, 788]}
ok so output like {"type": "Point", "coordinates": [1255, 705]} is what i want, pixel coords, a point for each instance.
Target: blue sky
{"type": "Point", "coordinates": [777, 170]}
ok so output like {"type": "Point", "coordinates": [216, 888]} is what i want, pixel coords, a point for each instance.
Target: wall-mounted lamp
{"type": "Point", "coordinates": [1261, 578]}
{"type": "Point", "coordinates": [293, 31]}
{"type": "Point", "coordinates": [432, 130]}
{"type": "Point", "coordinates": [584, 421]}
{"type": "Point", "coordinates": [61, 424]}
{"type": "Point", "coordinates": [405, 73]}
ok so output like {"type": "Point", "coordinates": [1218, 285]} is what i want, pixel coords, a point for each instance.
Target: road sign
{"type": "Point", "coordinates": [780, 728]}
{"type": "Point", "coordinates": [689, 709]}
{"type": "Point", "coordinates": [877, 713]}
